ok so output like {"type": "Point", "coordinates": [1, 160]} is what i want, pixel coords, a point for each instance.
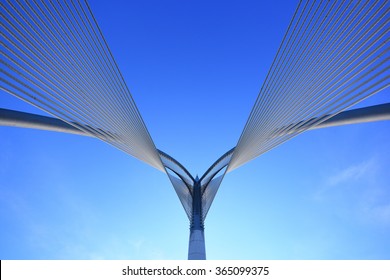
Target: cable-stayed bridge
{"type": "Point", "coordinates": [333, 55]}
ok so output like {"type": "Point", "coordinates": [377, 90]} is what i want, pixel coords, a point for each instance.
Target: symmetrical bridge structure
{"type": "Point", "coordinates": [334, 54]}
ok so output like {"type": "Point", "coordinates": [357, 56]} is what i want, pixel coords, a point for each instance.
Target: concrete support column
{"type": "Point", "coordinates": [197, 248]}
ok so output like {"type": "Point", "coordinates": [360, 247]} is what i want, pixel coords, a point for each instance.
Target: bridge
{"type": "Point", "coordinates": [333, 56]}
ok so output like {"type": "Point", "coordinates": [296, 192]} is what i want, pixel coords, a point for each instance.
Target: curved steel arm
{"type": "Point", "coordinates": [367, 114]}
{"type": "Point", "coordinates": [362, 115]}
{"type": "Point", "coordinates": [20, 119]}
{"type": "Point", "coordinates": [27, 120]}
{"type": "Point", "coordinates": [178, 166]}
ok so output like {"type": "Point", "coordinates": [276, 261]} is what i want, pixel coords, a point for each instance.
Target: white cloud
{"type": "Point", "coordinates": [359, 191]}
{"type": "Point", "coordinates": [342, 180]}
{"type": "Point", "coordinates": [352, 173]}
{"type": "Point", "coordinates": [375, 205]}
{"type": "Point", "coordinates": [378, 214]}
{"type": "Point", "coordinates": [138, 245]}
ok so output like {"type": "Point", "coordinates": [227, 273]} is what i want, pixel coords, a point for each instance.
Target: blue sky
{"type": "Point", "coordinates": [195, 70]}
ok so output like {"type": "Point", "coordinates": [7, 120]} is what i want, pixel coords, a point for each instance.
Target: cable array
{"type": "Point", "coordinates": [56, 58]}
{"type": "Point", "coordinates": [333, 55]}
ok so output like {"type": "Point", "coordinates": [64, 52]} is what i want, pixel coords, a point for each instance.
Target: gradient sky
{"type": "Point", "coordinates": [195, 69]}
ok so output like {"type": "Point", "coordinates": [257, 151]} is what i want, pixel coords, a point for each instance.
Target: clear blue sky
{"type": "Point", "coordinates": [194, 69]}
